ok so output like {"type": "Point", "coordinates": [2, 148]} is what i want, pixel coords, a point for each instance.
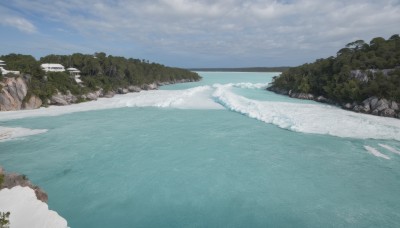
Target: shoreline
{"type": "Point", "coordinates": [371, 106]}
{"type": "Point", "coordinates": [14, 94]}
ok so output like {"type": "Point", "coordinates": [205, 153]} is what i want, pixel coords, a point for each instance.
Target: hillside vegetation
{"type": "Point", "coordinates": [360, 70]}
{"type": "Point", "coordinates": [97, 71]}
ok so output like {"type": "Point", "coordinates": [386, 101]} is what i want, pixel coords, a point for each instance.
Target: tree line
{"type": "Point", "coordinates": [97, 71]}
{"type": "Point", "coordinates": [335, 77]}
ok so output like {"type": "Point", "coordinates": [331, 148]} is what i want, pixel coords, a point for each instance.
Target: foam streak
{"type": "Point", "coordinates": [376, 152]}
{"type": "Point", "coordinates": [389, 148]}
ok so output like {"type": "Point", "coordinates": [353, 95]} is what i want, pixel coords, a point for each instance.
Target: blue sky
{"type": "Point", "coordinates": [194, 33]}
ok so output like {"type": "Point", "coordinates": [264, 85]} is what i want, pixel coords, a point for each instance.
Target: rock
{"type": "Point", "coordinates": [91, 96]}
{"type": "Point", "coordinates": [165, 83]}
{"type": "Point", "coordinates": [134, 89]}
{"type": "Point", "coordinates": [11, 180]}
{"type": "Point", "coordinates": [382, 105]}
{"type": "Point", "coordinates": [34, 102]}
{"type": "Point", "coordinates": [374, 103]}
{"type": "Point", "coordinates": [304, 96]}
{"type": "Point", "coordinates": [388, 112]}
{"type": "Point", "coordinates": [347, 106]}
{"type": "Point", "coordinates": [394, 106]}
{"type": "Point", "coordinates": [63, 99]}
{"type": "Point", "coordinates": [58, 99]}
{"type": "Point", "coordinates": [366, 108]}
{"type": "Point", "coordinates": [109, 94]}
{"type": "Point", "coordinates": [122, 91]}
{"type": "Point", "coordinates": [7, 102]}
{"type": "Point", "coordinates": [100, 93]}
{"type": "Point", "coordinates": [367, 101]}
{"type": "Point", "coordinates": [16, 87]}
{"type": "Point", "coordinates": [375, 112]}
{"type": "Point", "coordinates": [70, 98]}
{"type": "Point", "coordinates": [279, 91]}
{"type": "Point", "coordinates": [151, 86]}
{"type": "Point", "coordinates": [322, 99]}
{"type": "Point", "coordinates": [358, 108]}
{"type": "Point", "coordinates": [12, 93]}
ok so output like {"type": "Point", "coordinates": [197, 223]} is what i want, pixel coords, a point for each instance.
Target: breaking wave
{"type": "Point", "coordinates": [310, 118]}
{"type": "Point", "coordinates": [299, 117]}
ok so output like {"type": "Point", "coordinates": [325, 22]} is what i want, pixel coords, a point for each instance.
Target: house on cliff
{"type": "Point", "coordinates": [75, 73]}
{"type": "Point", "coordinates": [55, 67]}
{"type": "Point", "coordinates": [4, 71]}
{"type": "Point", "coordinates": [52, 67]}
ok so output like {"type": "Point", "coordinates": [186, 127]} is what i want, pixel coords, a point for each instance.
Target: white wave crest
{"type": "Point", "coordinates": [376, 152]}
{"type": "Point", "coordinates": [8, 133]}
{"type": "Point", "coordinates": [311, 118]}
{"type": "Point", "coordinates": [248, 85]}
{"type": "Point", "coordinates": [299, 117]}
{"type": "Point", "coordinates": [389, 148]}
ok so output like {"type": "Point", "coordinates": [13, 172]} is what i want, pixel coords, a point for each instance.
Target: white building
{"type": "Point", "coordinates": [75, 73]}
{"type": "Point", "coordinates": [4, 71]}
{"type": "Point", "coordinates": [52, 67]}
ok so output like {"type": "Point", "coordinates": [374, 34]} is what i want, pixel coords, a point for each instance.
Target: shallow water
{"type": "Point", "coordinates": [220, 156]}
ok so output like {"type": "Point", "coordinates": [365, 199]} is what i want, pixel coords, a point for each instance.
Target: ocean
{"type": "Point", "coordinates": [222, 152]}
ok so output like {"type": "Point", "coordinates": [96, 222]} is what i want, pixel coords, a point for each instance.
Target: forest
{"type": "Point", "coordinates": [360, 70]}
{"type": "Point", "coordinates": [97, 71]}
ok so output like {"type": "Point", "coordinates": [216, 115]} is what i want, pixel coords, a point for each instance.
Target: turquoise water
{"type": "Point", "coordinates": [169, 167]}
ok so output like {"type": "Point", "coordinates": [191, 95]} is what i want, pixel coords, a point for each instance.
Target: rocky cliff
{"type": "Point", "coordinates": [12, 95]}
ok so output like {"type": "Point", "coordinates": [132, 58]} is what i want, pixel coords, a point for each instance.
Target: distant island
{"type": "Point", "coordinates": [243, 69]}
{"type": "Point", "coordinates": [26, 83]}
{"type": "Point", "coordinates": [362, 77]}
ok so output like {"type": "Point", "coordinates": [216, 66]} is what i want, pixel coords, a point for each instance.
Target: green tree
{"type": "Point", "coordinates": [4, 219]}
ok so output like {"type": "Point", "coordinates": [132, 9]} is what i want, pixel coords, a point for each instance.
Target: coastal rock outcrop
{"type": "Point", "coordinates": [109, 94]}
{"type": "Point", "coordinates": [33, 102]}
{"type": "Point", "coordinates": [10, 180]}
{"type": "Point", "coordinates": [372, 105]}
{"type": "Point", "coordinates": [304, 96]}
{"type": "Point", "coordinates": [378, 107]}
{"type": "Point", "coordinates": [134, 89]}
{"type": "Point", "coordinates": [151, 86]}
{"type": "Point", "coordinates": [63, 99]}
{"type": "Point", "coordinates": [122, 91]}
{"type": "Point", "coordinates": [13, 91]}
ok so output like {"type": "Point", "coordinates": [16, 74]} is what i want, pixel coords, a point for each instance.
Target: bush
{"type": "Point", "coordinates": [4, 219]}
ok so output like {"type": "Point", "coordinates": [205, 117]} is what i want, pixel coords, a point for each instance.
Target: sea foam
{"type": "Point", "coordinates": [376, 152]}
{"type": "Point", "coordinates": [8, 133]}
{"type": "Point", "coordinates": [299, 117]}
{"type": "Point", "coordinates": [27, 211]}
{"type": "Point", "coordinates": [310, 118]}
{"type": "Point", "coordinates": [389, 148]}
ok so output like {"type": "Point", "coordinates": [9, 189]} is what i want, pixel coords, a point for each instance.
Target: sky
{"type": "Point", "coordinates": [194, 33]}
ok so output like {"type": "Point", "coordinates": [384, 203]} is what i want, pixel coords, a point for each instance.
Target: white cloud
{"type": "Point", "coordinates": [224, 27]}
{"type": "Point", "coordinates": [8, 18]}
